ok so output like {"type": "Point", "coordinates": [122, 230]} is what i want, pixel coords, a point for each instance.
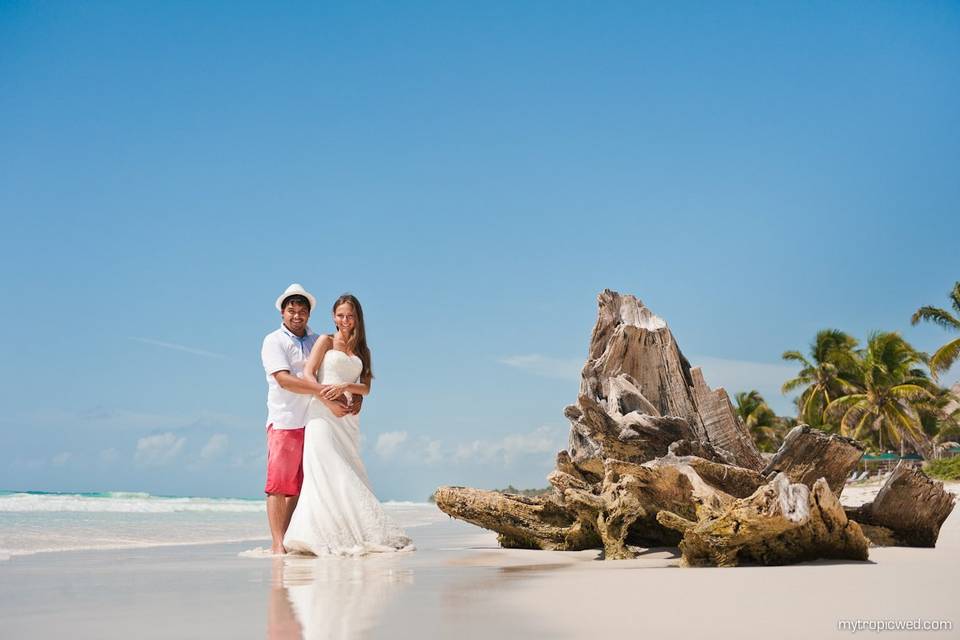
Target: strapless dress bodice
{"type": "Point", "coordinates": [338, 368]}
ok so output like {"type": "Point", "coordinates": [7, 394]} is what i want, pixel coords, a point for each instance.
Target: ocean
{"type": "Point", "coordinates": [43, 522]}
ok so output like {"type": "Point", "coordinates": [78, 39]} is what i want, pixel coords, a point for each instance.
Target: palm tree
{"type": "Point", "coordinates": [946, 355]}
{"type": "Point", "coordinates": [763, 424]}
{"type": "Point", "coordinates": [940, 416]}
{"type": "Point", "coordinates": [830, 373]}
{"type": "Point", "coordinates": [892, 394]}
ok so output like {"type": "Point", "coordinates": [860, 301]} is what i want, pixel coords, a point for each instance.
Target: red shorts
{"type": "Point", "coordinates": [284, 461]}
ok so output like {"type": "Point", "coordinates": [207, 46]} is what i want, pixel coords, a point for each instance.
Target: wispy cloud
{"type": "Point", "coordinates": [545, 366]}
{"type": "Point", "coordinates": [732, 375]}
{"type": "Point", "coordinates": [545, 440]}
{"type": "Point", "coordinates": [159, 449]}
{"type": "Point", "coordinates": [215, 446]}
{"type": "Point", "coordinates": [61, 458]}
{"type": "Point", "coordinates": [101, 417]}
{"type": "Point", "coordinates": [514, 448]}
{"type": "Point", "coordinates": [387, 443]}
{"type": "Point", "coordinates": [179, 347]}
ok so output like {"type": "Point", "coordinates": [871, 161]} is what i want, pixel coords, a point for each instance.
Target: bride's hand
{"type": "Point", "coordinates": [334, 391]}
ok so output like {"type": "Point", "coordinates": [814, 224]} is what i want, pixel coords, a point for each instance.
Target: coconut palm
{"type": "Point", "coordinates": [893, 391]}
{"type": "Point", "coordinates": [946, 355]}
{"type": "Point", "coordinates": [940, 415]}
{"type": "Point", "coordinates": [763, 424]}
{"type": "Point", "coordinates": [830, 373]}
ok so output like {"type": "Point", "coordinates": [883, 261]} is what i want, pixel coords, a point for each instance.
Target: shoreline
{"type": "Point", "coordinates": [459, 582]}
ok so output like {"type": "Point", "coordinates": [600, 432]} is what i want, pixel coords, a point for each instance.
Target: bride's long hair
{"type": "Point", "coordinates": [357, 343]}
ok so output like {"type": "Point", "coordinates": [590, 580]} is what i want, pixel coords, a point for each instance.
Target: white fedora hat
{"type": "Point", "coordinates": [296, 290]}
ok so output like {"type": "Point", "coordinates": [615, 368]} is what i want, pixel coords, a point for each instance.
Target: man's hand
{"type": "Point", "coordinates": [357, 401]}
{"type": "Point", "coordinates": [337, 408]}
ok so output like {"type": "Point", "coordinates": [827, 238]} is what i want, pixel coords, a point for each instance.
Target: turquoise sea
{"type": "Point", "coordinates": [42, 521]}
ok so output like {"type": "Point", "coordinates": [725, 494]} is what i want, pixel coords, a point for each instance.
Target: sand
{"type": "Point", "coordinates": [460, 584]}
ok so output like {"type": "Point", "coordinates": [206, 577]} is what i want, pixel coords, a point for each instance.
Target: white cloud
{"type": "Point", "coordinates": [542, 441]}
{"type": "Point", "coordinates": [546, 366]}
{"type": "Point", "coordinates": [178, 347]}
{"type": "Point", "coordinates": [61, 458]}
{"type": "Point", "coordinates": [387, 443]}
{"type": "Point", "coordinates": [432, 451]}
{"type": "Point", "coordinates": [215, 446]}
{"type": "Point", "coordinates": [254, 459]}
{"type": "Point", "coordinates": [159, 449]}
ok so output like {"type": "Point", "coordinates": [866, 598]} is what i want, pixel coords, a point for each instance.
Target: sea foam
{"type": "Point", "coordinates": [121, 502]}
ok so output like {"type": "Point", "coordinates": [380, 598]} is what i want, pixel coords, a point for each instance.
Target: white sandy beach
{"type": "Point", "coordinates": [459, 583]}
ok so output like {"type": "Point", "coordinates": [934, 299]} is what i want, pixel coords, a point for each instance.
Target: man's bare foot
{"type": "Point", "coordinates": [278, 550]}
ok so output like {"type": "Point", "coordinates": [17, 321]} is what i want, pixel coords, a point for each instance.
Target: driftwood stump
{"type": "Point", "coordinates": [656, 457]}
{"type": "Point", "coordinates": [780, 523]}
{"type": "Point", "coordinates": [808, 454]}
{"type": "Point", "coordinates": [908, 511]}
{"type": "Point", "coordinates": [522, 522]}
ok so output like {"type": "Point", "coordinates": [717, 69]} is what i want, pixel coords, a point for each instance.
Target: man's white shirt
{"type": "Point", "coordinates": [285, 351]}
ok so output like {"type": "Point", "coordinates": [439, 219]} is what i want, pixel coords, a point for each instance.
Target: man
{"type": "Point", "coordinates": [284, 354]}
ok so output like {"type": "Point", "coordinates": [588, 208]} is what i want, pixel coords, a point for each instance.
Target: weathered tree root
{"type": "Point", "coordinates": [625, 511]}
{"type": "Point", "coordinates": [656, 456]}
{"type": "Point", "coordinates": [907, 512]}
{"type": "Point", "coordinates": [808, 454]}
{"type": "Point", "coordinates": [780, 523]}
{"type": "Point", "coordinates": [522, 522]}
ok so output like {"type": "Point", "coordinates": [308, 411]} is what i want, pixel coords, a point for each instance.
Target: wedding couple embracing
{"type": "Point", "coordinates": [319, 499]}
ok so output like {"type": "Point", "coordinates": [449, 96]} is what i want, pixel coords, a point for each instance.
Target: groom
{"type": "Point", "coordinates": [284, 354]}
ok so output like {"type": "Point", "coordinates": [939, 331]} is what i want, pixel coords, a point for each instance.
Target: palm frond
{"type": "Point", "coordinates": [910, 392]}
{"type": "Point", "coordinates": [937, 316]}
{"type": "Point", "coordinates": [796, 356]}
{"type": "Point", "coordinates": [862, 426]}
{"type": "Point", "coordinates": [906, 424]}
{"type": "Point", "coordinates": [793, 383]}
{"type": "Point", "coordinates": [944, 357]}
{"type": "Point", "coordinates": [843, 404]}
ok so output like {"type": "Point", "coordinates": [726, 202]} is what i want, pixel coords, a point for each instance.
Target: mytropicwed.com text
{"type": "Point", "coordinates": [890, 624]}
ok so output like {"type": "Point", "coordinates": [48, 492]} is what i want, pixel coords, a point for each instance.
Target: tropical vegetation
{"type": "Point", "coordinates": [884, 409]}
{"type": "Point", "coordinates": [943, 469]}
{"type": "Point", "coordinates": [766, 427]}
{"type": "Point", "coordinates": [884, 394]}
{"type": "Point", "coordinates": [829, 373]}
{"type": "Point", "coordinates": [945, 356]}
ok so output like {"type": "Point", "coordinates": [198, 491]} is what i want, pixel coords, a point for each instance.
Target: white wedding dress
{"type": "Point", "coordinates": [337, 513]}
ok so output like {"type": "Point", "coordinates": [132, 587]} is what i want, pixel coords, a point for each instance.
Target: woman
{"type": "Point", "coordinates": [337, 513]}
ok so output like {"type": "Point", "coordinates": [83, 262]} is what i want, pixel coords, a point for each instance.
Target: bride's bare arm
{"type": "Point", "coordinates": [320, 348]}
{"type": "Point", "coordinates": [328, 393]}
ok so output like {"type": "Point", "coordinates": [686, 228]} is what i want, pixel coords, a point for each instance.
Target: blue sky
{"type": "Point", "coordinates": [475, 174]}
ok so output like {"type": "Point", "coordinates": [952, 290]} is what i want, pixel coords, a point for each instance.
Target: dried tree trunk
{"type": "Point", "coordinates": [655, 455]}
{"type": "Point", "coordinates": [908, 511]}
{"type": "Point", "coordinates": [808, 454]}
{"type": "Point", "coordinates": [625, 511]}
{"type": "Point", "coordinates": [780, 523]}
{"type": "Point", "coordinates": [522, 522]}
{"type": "Point", "coordinates": [633, 353]}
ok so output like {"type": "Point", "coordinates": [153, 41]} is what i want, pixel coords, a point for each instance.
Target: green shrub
{"type": "Point", "coordinates": [944, 469]}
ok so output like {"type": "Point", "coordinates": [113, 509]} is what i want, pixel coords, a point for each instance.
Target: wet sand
{"type": "Point", "coordinates": [460, 584]}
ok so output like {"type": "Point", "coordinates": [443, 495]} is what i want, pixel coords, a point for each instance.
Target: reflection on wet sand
{"type": "Point", "coordinates": [331, 597]}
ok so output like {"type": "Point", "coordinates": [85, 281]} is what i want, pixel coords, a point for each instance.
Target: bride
{"type": "Point", "coordinates": [337, 513]}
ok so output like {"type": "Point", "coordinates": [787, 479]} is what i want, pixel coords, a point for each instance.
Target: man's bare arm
{"type": "Point", "coordinates": [290, 382]}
